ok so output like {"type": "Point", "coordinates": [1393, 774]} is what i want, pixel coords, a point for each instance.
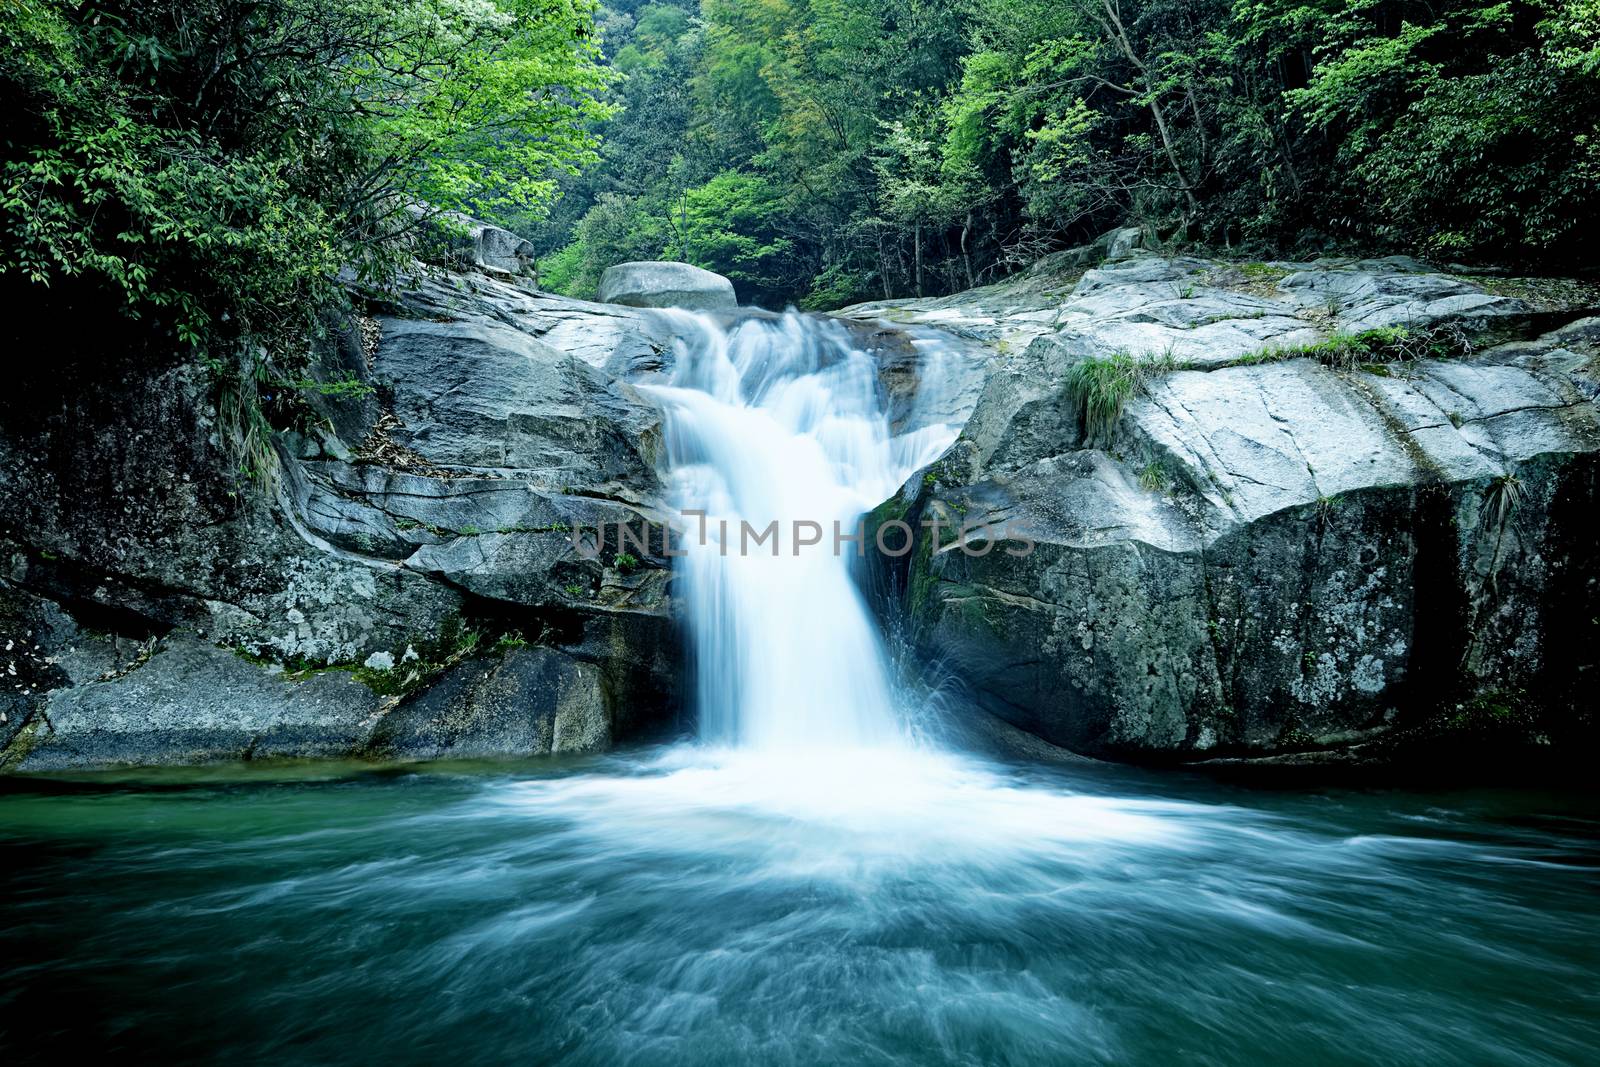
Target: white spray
{"type": "Point", "coordinates": [781, 421]}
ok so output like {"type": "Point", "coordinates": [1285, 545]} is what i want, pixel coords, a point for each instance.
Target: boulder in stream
{"type": "Point", "coordinates": [666, 285]}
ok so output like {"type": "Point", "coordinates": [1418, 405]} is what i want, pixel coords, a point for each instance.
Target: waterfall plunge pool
{"type": "Point", "coordinates": [811, 883]}
{"type": "Point", "coordinates": [691, 905]}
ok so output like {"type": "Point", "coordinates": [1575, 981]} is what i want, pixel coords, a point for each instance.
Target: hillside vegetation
{"type": "Point", "coordinates": [834, 150]}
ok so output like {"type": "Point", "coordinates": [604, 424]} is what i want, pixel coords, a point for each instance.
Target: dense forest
{"type": "Point", "coordinates": [213, 166]}
{"type": "Point", "coordinates": [833, 150]}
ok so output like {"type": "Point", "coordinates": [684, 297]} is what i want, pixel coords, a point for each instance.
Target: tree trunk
{"type": "Point", "coordinates": [1111, 21]}
{"type": "Point", "coordinates": [966, 257]}
{"type": "Point", "coordinates": [883, 266]}
{"type": "Point", "coordinates": [683, 216]}
{"type": "Point", "coordinates": [917, 244]}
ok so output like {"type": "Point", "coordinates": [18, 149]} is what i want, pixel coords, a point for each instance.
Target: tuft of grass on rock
{"type": "Point", "coordinates": [1153, 478]}
{"type": "Point", "coordinates": [1372, 349]}
{"type": "Point", "coordinates": [1101, 386]}
{"type": "Point", "coordinates": [510, 640]}
{"type": "Point", "coordinates": [1502, 498]}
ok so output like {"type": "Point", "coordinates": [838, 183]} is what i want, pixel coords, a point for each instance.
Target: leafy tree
{"type": "Point", "coordinates": [1467, 132]}
{"type": "Point", "coordinates": [213, 164]}
{"type": "Point", "coordinates": [734, 224]}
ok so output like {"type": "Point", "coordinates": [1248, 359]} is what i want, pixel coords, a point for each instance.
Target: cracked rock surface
{"type": "Point", "coordinates": [440, 496]}
{"type": "Point", "coordinates": [1268, 557]}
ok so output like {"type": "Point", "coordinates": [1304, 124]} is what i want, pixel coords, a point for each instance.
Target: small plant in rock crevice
{"type": "Point", "coordinates": [1100, 387]}
{"type": "Point", "coordinates": [1502, 499]}
{"type": "Point", "coordinates": [1153, 478]}
{"type": "Point", "coordinates": [511, 640]}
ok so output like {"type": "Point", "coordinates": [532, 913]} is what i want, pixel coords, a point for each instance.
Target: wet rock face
{"type": "Point", "coordinates": [185, 701]}
{"type": "Point", "coordinates": [666, 285]}
{"type": "Point", "coordinates": [496, 420]}
{"type": "Point", "coordinates": [1266, 555]}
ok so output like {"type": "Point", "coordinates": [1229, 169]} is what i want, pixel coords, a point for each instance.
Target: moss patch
{"type": "Point", "coordinates": [415, 667]}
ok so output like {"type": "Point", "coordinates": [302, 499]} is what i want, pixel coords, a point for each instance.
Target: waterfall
{"type": "Point", "coordinates": [783, 420]}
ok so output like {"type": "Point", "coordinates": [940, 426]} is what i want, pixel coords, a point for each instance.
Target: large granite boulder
{"type": "Point", "coordinates": [531, 702]}
{"type": "Point", "coordinates": [666, 285]}
{"type": "Point", "coordinates": [187, 701]}
{"type": "Point", "coordinates": [472, 423]}
{"type": "Point", "coordinates": [465, 243]}
{"type": "Point", "coordinates": [179, 700]}
{"type": "Point", "coordinates": [1265, 556]}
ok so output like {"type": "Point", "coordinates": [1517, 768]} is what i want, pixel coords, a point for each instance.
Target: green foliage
{"type": "Point", "coordinates": [347, 387]}
{"type": "Point", "coordinates": [1370, 349]}
{"type": "Point", "coordinates": [214, 164]}
{"type": "Point", "coordinates": [626, 562]}
{"type": "Point", "coordinates": [510, 641]}
{"type": "Point", "coordinates": [1468, 132]}
{"type": "Point", "coordinates": [1347, 351]}
{"type": "Point", "coordinates": [753, 143]}
{"type": "Point", "coordinates": [731, 225]}
{"type": "Point", "coordinates": [1153, 477]}
{"type": "Point", "coordinates": [1099, 387]}
{"type": "Point", "coordinates": [898, 148]}
{"type": "Point", "coordinates": [208, 168]}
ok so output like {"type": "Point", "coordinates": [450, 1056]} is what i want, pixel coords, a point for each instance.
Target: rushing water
{"type": "Point", "coordinates": [673, 907]}
{"type": "Point", "coordinates": [777, 436]}
{"type": "Point", "coordinates": [811, 883]}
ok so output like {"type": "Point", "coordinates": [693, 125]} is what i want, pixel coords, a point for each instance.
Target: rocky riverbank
{"type": "Point", "coordinates": [1296, 511]}
{"type": "Point", "coordinates": [1285, 512]}
{"type": "Point", "coordinates": [397, 578]}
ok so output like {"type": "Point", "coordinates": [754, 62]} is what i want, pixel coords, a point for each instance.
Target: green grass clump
{"type": "Point", "coordinates": [1371, 349]}
{"type": "Point", "coordinates": [345, 387]}
{"type": "Point", "coordinates": [1262, 271]}
{"type": "Point", "coordinates": [1502, 499]}
{"type": "Point", "coordinates": [1101, 386]}
{"type": "Point", "coordinates": [510, 640]}
{"type": "Point", "coordinates": [1153, 478]}
{"type": "Point", "coordinates": [1347, 351]}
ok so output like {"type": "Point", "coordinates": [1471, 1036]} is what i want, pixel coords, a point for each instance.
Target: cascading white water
{"type": "Point", "coordinates": [782, 420]}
